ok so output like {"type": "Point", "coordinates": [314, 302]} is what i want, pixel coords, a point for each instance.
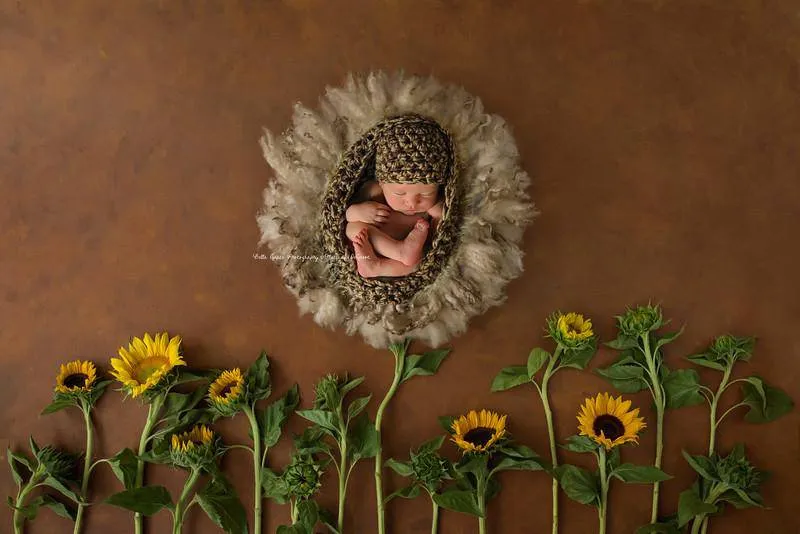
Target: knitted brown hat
{"type": "Point", "coordinates": [412, 150]}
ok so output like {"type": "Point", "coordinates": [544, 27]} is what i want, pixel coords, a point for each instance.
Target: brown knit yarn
{"type": "Point", "coordinates": [413, 149]}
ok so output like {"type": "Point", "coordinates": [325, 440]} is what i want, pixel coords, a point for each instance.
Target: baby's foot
{"type": "Point", "coordinates": [366, 259]}
{"type": "Point", "coordinates": [414, 242]}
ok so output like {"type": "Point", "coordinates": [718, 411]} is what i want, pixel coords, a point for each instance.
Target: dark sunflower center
{"type": "Point", "coordinates": [77, 380]}
{"type": "Point", "coordinates": [224, 392]}
{"type": "Point", "coordinates": [479, 436]}
{"type": "Point", "coordinates": [609, 425]}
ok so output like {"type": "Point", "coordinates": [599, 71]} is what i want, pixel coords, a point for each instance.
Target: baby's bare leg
{"type": "Point", "coordinates": [370, 265]}
{"type": "Point", "coordinates": [384, 244]}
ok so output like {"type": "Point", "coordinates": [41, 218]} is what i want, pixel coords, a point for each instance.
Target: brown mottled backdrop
{"type": "Point", "coordinates": [661, 135]}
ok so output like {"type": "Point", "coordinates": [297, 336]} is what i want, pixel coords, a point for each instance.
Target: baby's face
{"type": "Point", "coordinates": [410, 198]}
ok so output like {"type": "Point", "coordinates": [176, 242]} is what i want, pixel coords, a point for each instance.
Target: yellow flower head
{"type": "Point", "coordinates": [198, 436]}
{"type": "Point", "coordinates": [609, 421]}
{"type": "Point", "coordinates": [75, 377]}
{"type": "Point", "coordinates": [146, 361]}
{"type": "Point", "coordinates": [478, 432]}
{"type": "Point", "coordinates": [227, 388]}
{"type": "Point", "coordinates": [574, 327]}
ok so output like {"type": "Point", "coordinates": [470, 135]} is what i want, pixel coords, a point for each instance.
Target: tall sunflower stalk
{"type": "Point", "coordinates": [575, 346]}
{"type": "Point", "coordinates": [405, 367]}
{"type": "Point", "coordinates": [148, 369]}
{"type": "Point", "coordinates": [487, 450]}
{"type": "Point", "coordinates": [233, 392]}
{"type": "Point", "coordinates": [604, 423]}
{"type": "Point", "coordinates": [77, 385]}
{"type": "Point", "coordinates": [352, 434]}
{"type": "Point", "coordinates": [428, 471]}
{"type": "Point", "coordinates": [641, 366]}
{"type": "Point", "coordinates": [195, 450]}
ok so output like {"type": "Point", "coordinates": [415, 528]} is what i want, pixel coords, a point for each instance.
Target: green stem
{"type": "Point", "coordinates": [19, 519]}
{"type": "Point", "coordinates": [152, 416]}
{"type": "Point", "coordinates": [712, 435]}
{"type": "Point", "coordinates": [435, 518]}
{"type": "Point", "coordinates": [257, 465]}
{"type": "Point", "coordinates": [179, 506]}
{"type": "Point", "coordinates": [481, 495]}
{"type": "Point", "coordinates": [399, 363]}
{"type": "Point", "coordinates": [87, 466]}
{"type": "Point", "coordinates": [602, 509]}
{"type": "Point", "coordinates": [548, 415]}
{"type": "Point", "coordinates": [660, 402]}
{"type": "Point", "coordinates": [343, 476]}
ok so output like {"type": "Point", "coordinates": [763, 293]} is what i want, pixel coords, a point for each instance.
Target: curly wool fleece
{"type": "Point", "coordinates": [496, 207]}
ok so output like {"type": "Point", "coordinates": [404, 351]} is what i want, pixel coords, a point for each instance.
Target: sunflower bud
{"type": "Point", "coordinates": [302, 477]}
{"type": "Point", "coordinates": [327, 393]}
{"type": "Point", "coordinates": [195, 449]}
{"type": "Point", "coordinates": [430, 469]}
{"type": "Point", "coordinates": [571, 330]}
{"type": "Point", "coordinates": [736, 471]}
{"type": "Point", "coordinates": [638, 321]}
{"type": "Point", "coordinates": [56, 463]}
{"type": "Point", "coordinates": [226, 393]}
{"type": "Point", "coordinates": [729, 349]}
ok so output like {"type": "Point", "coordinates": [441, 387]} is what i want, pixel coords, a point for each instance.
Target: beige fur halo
{"type": "Point", "coordinates": [496, 207]}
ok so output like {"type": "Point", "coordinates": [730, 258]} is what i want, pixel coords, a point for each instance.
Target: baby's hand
{"type": "Point", "coordinates": [436, 211]}
{"type": "Point", "coordinates": [369, 212]}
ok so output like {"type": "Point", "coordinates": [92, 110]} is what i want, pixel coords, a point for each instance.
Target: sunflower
{"type": "Point", "coordinates": [574, 327]}
{"type": "Point", "coordinates": [196, 448]}
{"type": "Point", "coordinates": [145, 362]}
{"type": "Point", "coordinates": [196, 437]}
{"type": "Point", "coordinates": [76, 377]}
{"type": "Point", "coordinates": [609, 421]}
{"type": "Point", "coordinates": [478, 432]}
{"type": "Point", "coordinates": [227, 387]}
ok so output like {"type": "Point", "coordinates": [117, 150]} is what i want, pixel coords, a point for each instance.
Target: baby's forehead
{"type": "Point", "coordinates": [410, 188]}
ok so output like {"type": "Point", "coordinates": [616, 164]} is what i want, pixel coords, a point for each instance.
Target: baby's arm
{"type": "Point", "coordinates": [369, 212]}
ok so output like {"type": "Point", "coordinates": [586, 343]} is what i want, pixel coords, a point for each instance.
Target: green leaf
{"type": "Point", "coordinates": [400, 468]}
{"type": "Point", "coordinates": [578, 359]}
{"type": "Point", "coordinates": [275, 487]}
{"type": "Point", "coordinates": [176, 404]}
{"type": "Point", "coordinates": [59, 486]}
{"type": "Point", "coordinates": [640, 474]}
{"type": "Point", "coordinates": [408, 492]}
{"type": "Point", "coordinates": [625, 378]}
{"type": "Point", "coordinates": [669, 527]}
{"type": "Point", "coordinates": [220, 502]}
{"type": "Point", "coordinates": [446, 422]}
{"type": "Point", "coordinates": [60, 509]}
{"type": "Point", "coordinates": [458, 501]}
{"type": "Point", "coordinates": [146, 501]}
{"type": "Point", "coordinates": [58, 405]}
{"type": "Point", "coordinates": [536, 359]}
{"type": "Point", "coordinates": [521, 459]}
{"type": "Point", "coordinates": [350, 385]}
{"type": "Point", "coordinates": [34, 447]}
{"type": "Point", "coordinates": [325, 419]}
{"type": "Point", "coordinates": [745, 500]}
{"type": "Point", "coordinates": [682, 387]}
{"type": "Point", "coordinates": [702, 465]}
{"type": "Point", "coordinates": [774, 403]}
{"type": "Point", "coordinates": [307, 515]}
{"type": "Point", "coordinates": [691, 505]}
{"type": "Point", "coordinates": [423, 364]}
{"type": "Point", "coordinates": [579, 484]}
{"type": "Point", "coordinates": [431, 445]}
{"type": "Point", "coordinates": [703, 361]}
{"type": "Point", "coordinates": [623, 342]}
{"type": "Point", "coordinates": [363, 439]}
{"type": "Point", "coordinates": [30, 510]}
{"type": "Point", "coordinates": [329, 520]}
{"type": "Point", "coordinates": [510, 377]}
{"type": "Point", "coordinates": [124, 466]}
{"type": "Point", "coordinates": [357, 406]}
{"type": "Point", "coordinates": [580, 444]}
{"type": "Point", "coordinates": [13, 460]}
{"type": "Point", "coordinates": [258, 378]}
{"type": "Point", "coordinates": [668, 338]}
{"type": "Point", "coordinates": [272, 420]}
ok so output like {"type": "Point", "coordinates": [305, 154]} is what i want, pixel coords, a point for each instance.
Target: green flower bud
{"type": "Point", "coordinates": [197, 448]}
{"type": "Point", "coordinates": [731, 348]}
{"type": "Point", "coordinates": [429, 469]}
{"type": "Point", "coordinates": [570, 330]}
{"type": "Point", "coordinates": [736, 470]}
{"type": "Point", "coordinates": [327, 393]}
{"type": "Point", "coordinates": [302, 477]}
{"type": "Point", "coordinates": [56, 463]}
{"type": "Point", "coordinates": [640, 320]}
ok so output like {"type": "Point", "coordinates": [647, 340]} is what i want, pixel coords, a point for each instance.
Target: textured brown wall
{"type": "Point", "coordinates": [661, 137]}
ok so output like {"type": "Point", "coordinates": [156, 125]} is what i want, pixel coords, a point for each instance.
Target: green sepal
{"type": "Point", "coordinates": [579, 484]}
{"type": "Point", "coordinates": [682, 388]}
{"type": "Point", "coordinates": [459, 501]}
{"type": "Point", "coordinates": [146, 501]}
{"type": "Point", "coordinates": [423, 364]}
{"type": "Point", "coordinates": [220, 502]}
{"type": "Point", "coordinates": [510, 377]}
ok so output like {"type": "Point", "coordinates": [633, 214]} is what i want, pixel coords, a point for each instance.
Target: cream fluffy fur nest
{"type": "Point", "coordinates": [496, 206]}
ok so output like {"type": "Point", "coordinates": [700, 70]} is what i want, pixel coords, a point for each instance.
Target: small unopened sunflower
{"type": "Point", "coordinates": [478, 431]}
{"type": "Point", "coordinates": [571, 330]}
{"type": "Point", "coordinates": [146, 361]}
{"type": "Point", "coordinates": [609, 421]}
{"type": "Point", "coordinates": [194, 448]}
{"type": "Point", "coordinates": [76, 377]}
{"type": "Point", "coordinates": [225, 393]}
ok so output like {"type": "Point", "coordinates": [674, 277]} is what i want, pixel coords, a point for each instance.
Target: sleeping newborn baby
{"type": "Point", "coordinates": [394, 215]}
